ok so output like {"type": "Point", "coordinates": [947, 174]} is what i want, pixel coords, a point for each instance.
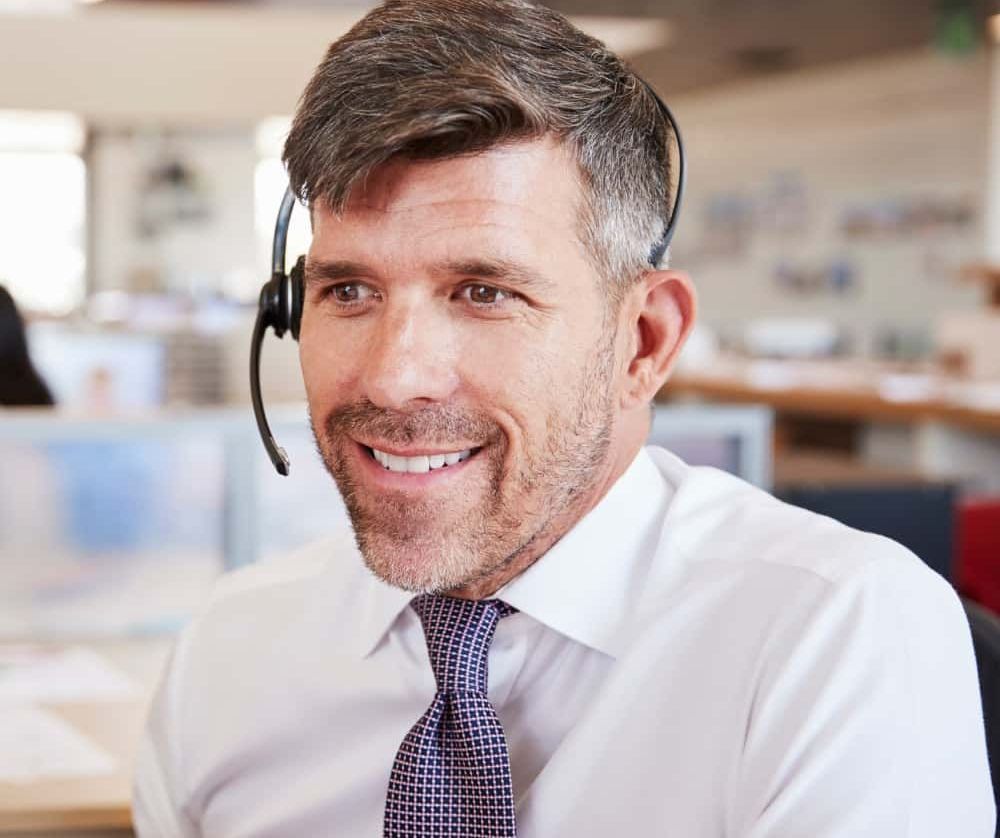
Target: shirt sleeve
{"type": "Point", "coordinates": [866, 721]}
{"type": "Point", "coordinates": [157, 793]}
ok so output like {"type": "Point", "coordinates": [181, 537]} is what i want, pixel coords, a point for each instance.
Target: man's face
{"type": "Point", "coordinates": [460, 362]}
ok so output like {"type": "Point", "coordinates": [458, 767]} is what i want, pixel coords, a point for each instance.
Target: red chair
{"type": "Point", "coordinates": [977, 552]}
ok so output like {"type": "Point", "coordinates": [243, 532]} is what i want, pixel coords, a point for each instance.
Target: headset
{"type": "Point", "coordinates": [280, 304]}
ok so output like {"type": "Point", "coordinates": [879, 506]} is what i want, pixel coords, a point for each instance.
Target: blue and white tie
{"type": "Point", "coordinates": [451, 777]}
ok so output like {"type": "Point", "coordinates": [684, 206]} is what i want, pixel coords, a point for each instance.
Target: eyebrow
{"type": "Point", "coordinates": [503, 270]}
{"type": "Point", "coordinates": [499, 269]}
{"type": "Point", "coordinates": [332, 271]}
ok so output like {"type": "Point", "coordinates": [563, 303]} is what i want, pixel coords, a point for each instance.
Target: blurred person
{"type": "Point", "coordinates": [99, 390]}
{"type": "Point", "coordinates": [20, 383]}
{"type": "Point", "coordinates": [560, 631]}
{"type": "Point", "coordinates": [105, 482]}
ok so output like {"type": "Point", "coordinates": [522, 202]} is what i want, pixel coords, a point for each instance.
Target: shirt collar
{"type": "Point", "coordinates": [584, 587]}
{"type": "Point", "coordinates": [380, 606]}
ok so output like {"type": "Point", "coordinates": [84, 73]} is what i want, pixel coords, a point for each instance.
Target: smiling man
{"type": "Point", "coordinates": [536, 625]}
{"type": "Point", "coordinates": [461, 358]}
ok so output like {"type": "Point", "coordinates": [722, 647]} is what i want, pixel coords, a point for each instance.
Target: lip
{"type": "Point", "coordinates": [381, 477]}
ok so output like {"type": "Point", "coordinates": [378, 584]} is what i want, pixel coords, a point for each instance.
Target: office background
{"type": "Point", "coordinates": [842, 227]}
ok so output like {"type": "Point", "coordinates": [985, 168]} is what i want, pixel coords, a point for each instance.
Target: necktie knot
{"type": "Point", "coordinates": [459, 633]}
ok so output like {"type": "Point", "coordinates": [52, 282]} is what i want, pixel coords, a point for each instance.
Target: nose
{"type": "Point", "coordinates": [411, 359]}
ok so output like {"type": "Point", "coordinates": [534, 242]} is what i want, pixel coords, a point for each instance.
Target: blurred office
{"type": "Point", "coordinates": [842, 227]}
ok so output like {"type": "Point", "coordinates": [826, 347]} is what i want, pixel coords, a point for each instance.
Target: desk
{"type": "Point", "coordinates": [849, 389]}
{"type": "Point", "coordinates": [930, 423]}
{"type": "Point", "coordinates": [66, 806]}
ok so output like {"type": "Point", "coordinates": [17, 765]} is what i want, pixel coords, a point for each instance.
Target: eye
{"type": "Point", "coordinates": [349, 293]}
{"type": "Point", "coordinates": [485, 295]}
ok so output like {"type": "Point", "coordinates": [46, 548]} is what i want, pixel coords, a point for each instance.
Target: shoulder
{"type": "Point", "coordinates": [848, 659]}
{"type": "Point", "coordinates": [278, 597]}
{"type": "Point", "coordinates": [717, 518]}
{"type": "Point", "coordinates": [799, 592]}
{"type": "Point", "coordinates": [295, 568]}
{"type": "Point", "coordinates": [720, 530]}
{"type": "Point", "coordinates": [263, 627]}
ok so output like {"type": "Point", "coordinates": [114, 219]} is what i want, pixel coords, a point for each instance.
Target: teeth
{"type": "Point", "coordinates": [421, 464]}
{"type": "Point", "coordinates": [418, 465]}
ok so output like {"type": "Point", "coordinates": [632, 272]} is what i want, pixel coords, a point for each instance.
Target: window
{"type": "Point", "coordinates": [42, 210]}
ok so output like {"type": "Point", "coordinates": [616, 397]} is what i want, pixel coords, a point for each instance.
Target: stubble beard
{"type": "Point", "coordinates": [415, 545]}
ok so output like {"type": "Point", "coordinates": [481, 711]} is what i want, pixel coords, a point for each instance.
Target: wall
{"type": "Point", "coordinates": [905, 125]}
{"type": "Point", "coordinates": [909, 126]}
{"type": "Point", "coordinates": [220, 252]}
{"type": "Point", "coordinates": [209, 73]}
{"type": "Point", "coordinates": [212, 252]}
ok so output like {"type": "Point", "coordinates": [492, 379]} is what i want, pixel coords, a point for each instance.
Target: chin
{"type": "Point", "coordinates": [420, 568]}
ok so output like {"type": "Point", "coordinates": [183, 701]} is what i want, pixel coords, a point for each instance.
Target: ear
{"type": "Point", "coordinates": [660, 312]}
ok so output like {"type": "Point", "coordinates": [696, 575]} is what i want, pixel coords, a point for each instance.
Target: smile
{"type": "Point", "coordinates": [420, 464]}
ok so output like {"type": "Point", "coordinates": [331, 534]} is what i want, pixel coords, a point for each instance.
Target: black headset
{"type": "Point", "coordinates": [280, 305]}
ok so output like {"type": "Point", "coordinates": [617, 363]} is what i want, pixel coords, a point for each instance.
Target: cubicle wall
{"type": "Point", "coordinates": [120, 525]}
{"type": "Point", "coordinates": [113, 526]}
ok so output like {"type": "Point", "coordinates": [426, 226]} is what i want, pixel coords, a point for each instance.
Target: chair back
{"type": "Point", "coordinates": [985, 627]}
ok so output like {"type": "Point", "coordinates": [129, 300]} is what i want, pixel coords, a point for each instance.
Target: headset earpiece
{"type": "Point", "coordinates": [296, 293]}
{"type": "Point", "coordinates": [273, 304]}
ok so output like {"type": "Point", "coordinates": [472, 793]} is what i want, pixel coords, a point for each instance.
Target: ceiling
{"type": "Point", "coordinates": [719, 41]}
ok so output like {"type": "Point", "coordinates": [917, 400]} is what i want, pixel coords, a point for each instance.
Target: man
{"type": "Point", "coordinates": [670, 651]}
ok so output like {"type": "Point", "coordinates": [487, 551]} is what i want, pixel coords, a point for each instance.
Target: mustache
{"type": "Point", "coordinates": [436, 424]}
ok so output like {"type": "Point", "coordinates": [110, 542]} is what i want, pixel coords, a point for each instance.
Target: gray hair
{"type": "Point", "coordinates": [432, 79]}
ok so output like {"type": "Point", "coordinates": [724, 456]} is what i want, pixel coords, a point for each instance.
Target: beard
{"type": "Point", "coordinates": [509, 503]}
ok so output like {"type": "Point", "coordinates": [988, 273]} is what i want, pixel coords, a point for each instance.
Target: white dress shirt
{"type": "Point", "coordinates": [694, 658]}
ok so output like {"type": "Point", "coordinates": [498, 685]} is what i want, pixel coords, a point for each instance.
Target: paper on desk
{"type": "Point", "coordinates": [773, 375]}
{"type": "Point", "coordinates": [37, 745]}
{"type": "Point", "coordinates": [907, 387]}
{"type": "Point", "coordinates": [29, 673]}
{"type": "Point", "coordinates": [983, 395]}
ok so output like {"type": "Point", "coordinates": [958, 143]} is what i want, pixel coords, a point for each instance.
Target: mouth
{"type": "Point", "coordinates": [418, 462]}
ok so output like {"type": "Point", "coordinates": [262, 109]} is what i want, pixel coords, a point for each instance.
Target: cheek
{"type": "Point", "coordinates": [528, 381]}
{"type": "Point", "coordinates": [327, 366]}
{"type": "Point", "coordinates": [508, 362]}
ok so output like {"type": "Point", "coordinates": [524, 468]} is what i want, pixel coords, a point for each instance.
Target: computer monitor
{"type": "Point", "coordinates": [734, 438]}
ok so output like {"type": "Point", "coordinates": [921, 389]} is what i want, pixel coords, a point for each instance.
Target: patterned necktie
{"type": "Point", "coordinates": [451, 777]}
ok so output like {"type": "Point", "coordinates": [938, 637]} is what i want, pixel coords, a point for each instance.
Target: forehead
{"type": "Point", "coordinates": [523, 197]}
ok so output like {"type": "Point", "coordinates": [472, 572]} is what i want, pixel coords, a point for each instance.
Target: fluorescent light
{"type": "Point", "coordinates": [43, 7]}
{"type": "Point", "coordinates": [40, 131]}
